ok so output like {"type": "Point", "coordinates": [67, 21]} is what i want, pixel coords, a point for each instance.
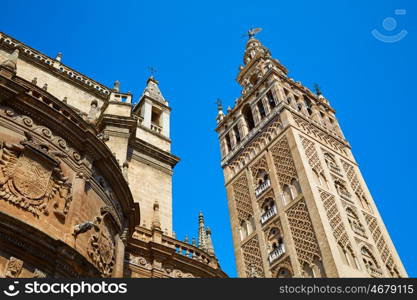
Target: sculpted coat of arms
{"type": "Point", "coordinates": [31, 178]}
{"type": "Point", "coordinates": [102, 249]}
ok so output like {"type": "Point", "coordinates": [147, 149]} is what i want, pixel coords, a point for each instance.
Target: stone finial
{"type": "Point", "coordinates": [156, 221]}
{"type": "Point", "coordinates": [174, 234]}
{"type": "Point", "coordinates": [116, 86]}
{"type": "Point", "coordinates": [35, 81]}
{"type": "Point", "coordinates": [186, 240]}
{"type": "Point", "coordinates": [58, 57]}
{"type": "Point", "coordinates": [11, 62]}
{"type": "Point", "coordinates": [317, 89]}
{"type": "Point", "coordinates": [201, 232]}
{"type": "Point", "coordinates": [209, 242]}
{"type": "Point", "coordinates": [126, 170]}
{"type": "Point", "coordinates": [193, 242]}
{"type": "Point", "coordinates": [65, 100]}
{"type": "Point", "coordinates": [220, 114]}
{"type": "Point", "coordinates": [45, 87]}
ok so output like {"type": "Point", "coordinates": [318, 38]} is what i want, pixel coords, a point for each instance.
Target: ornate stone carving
{"type": "Point", "coordinates": [320, 134]}
{"type": "Point", "coordinates": [38, 274]}
{"type": "Point", "coordinates": [252, 258]}
{"type": "Point", "coordinates": [302, 231]}
{"type": "Point", "coordinates": [102, 248]}
{"type": "Point", "coordinates": [242, 198]}
{"type": "Point", "coordinates": [335, 221]}
{"type": "Point", "coordinates": [380, 242]}
{"type": "Point", "coordinates": [260, 164]}
{"type": "Point", "coordinates": [283, 161]}
{"type": "Point", "coordinates": [13, 268]}
{"type": "Point", "coordinates": [28, 124]}
{"type": "Point", "coordinates": [31, 178]}
{"type": "Point", "coordinates": [311, 153]}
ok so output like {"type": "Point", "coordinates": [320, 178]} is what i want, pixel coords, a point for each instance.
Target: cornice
{"type": "Point", "coordinates": [55, 67]}
{"type": "Point", "coordinates": [154, 152]}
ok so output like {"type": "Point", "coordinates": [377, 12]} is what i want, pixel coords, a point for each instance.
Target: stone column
{"type": "Point", "coordinates": [147, 113]}
{"type": "Point", "coordinates": [119, 257]}
{"type": "Point", "coordinates": [165, 123]}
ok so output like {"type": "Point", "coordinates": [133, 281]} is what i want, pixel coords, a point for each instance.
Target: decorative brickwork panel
{"type": "Point", "coordinates": [283, 161]}
{"type": "Point", "coordinates": [311, 153]}
{"type": "Point", "coordinates": [353, 178]}
{"type": "Point", "coordinates": [252, 258]}
{"type": "Point", "coordinates": [323, 136]}
{"type": "Point", "coordinates": [380, 241]}
{"type": "Point", "coordinates": [260, 164]}
{"type": "Point", "coordinates": [305, 241]}
{"type": "Point", "coordinates": [333, 214]}
{"type": "Point", "coordinates": [242, 198]}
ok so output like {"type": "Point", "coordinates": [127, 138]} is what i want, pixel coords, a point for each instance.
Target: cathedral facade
{"type": "Point", "coordinates": [299, 206]}
{"type": "Point", "coordinates": [86, 177]}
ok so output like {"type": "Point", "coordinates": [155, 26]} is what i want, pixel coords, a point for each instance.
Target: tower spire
{"type": "Point", "coordinates": [201, 232]}
{"type": "Point", "coordinates": [152, 90]}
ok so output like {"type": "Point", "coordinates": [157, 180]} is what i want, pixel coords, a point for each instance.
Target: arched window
{"type": "Point", "coordinates": [307, 271]}
{"type": "Point", "coordinates": [261, 109]}
{"type": "Point", "coordinates": [287, 194]}
{"type": "Point", "coordinates": [271, 100]}
{"type": "Point", "coordinates": [354, 222]}
{"type": "Point", "coordinates": [243, 230]}
{"type": "Point", "coordinates": [364, 203]}
{"type": "Point", "coordinates": [370, 262]}
{"type": "Point", "coordinates": [308, 104]}
{"type": "Point", "coordinates": [268, 204]}
{"type": "Point", "coordinates": [295, 187]}
{"type": "Point", "coordinates": [247, 114]}
{"type": "Point", "coordinates": [237, 134]}
{"type": "Point", "coordinates": [228, 143]}
{"type": "Point", "coordinates": [284, 273]}
{"type": "Point", "coordinates": [330, 161]}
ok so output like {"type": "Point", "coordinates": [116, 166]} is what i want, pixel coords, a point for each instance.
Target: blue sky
{"type": "Point", "coordinates": [197, 48]}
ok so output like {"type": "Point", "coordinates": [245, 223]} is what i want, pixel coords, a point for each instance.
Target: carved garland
{"type": "Point", "coordinates": [31, 178]}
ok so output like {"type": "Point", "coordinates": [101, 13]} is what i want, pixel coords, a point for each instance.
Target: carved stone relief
{"type": "Point", "coordinates": [32, 179]}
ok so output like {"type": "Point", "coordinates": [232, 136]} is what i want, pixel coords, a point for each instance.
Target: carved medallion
{"type": "Point", "coordinates": [31, 178]}
{"type": "Point", "coordinates": [102, 249]}
{"type": "Point", "coordinates": [13, 268]}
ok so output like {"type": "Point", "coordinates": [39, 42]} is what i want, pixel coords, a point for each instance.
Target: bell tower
{"type": "Point", "coordinates": [298, 204]}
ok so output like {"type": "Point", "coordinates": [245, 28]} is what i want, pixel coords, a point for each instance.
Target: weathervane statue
{"type": "Point", "coordinates": [252, 32]}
